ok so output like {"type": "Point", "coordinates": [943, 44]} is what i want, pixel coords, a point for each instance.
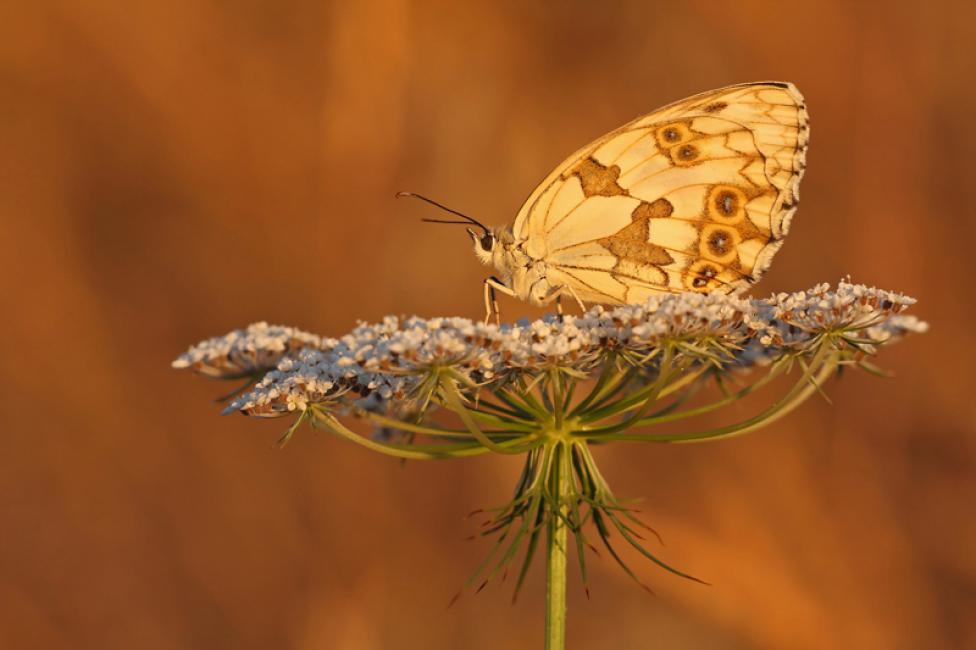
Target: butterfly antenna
{"type": "Point", "coordinates": [467, 219]}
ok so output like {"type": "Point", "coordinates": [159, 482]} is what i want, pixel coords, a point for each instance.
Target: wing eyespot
{"type": "Point", "coordinates": [673, 134]}
{"type": "Point", "coordinates": [685, 155]}
{"type": "Point", "coordinates": [701, 276]}
{"type": "Point", "coordinates": [726, 204]}
{"type": "Point", "coordinates": [719, 244]}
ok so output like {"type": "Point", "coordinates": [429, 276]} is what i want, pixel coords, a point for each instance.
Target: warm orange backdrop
{"type": "Point", "coordinates": [172, 170]}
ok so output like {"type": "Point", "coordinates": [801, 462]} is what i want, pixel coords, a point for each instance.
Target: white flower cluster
{"type": "Point", "coordinates": [866, 315]}
{"type": "Point", "coordinates": [380, 365]}
{"type": "Point", "coordinates": [308, 377]}
{"type": "Point", "coordinates": [851, 305]}
{"type": "Point", "coordinates": [247, 352]}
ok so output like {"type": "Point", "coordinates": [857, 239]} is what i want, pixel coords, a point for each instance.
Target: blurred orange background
{"type": "Point", "coordinates": [173, 170]}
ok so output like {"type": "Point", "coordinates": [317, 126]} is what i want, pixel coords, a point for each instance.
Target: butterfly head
{"type": "Point", "coordinates": [484, 238]}
{"type": "Point", "coordinates": [484, 244]}
{"type": "Point", "coordinates": [492, 246]}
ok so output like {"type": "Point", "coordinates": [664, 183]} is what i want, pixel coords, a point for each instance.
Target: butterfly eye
{"type": "Point", "coordinates": [487, 241]}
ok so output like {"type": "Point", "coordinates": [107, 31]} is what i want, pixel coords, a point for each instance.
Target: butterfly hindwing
{"type": "Point", "coordinates": [695, 196]}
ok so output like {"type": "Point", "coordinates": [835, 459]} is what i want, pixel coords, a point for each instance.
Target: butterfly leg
{"type": "Point", "coordinates": [491, 301]}
{"type": "Point", "coordinates": [555, 294]}
{"type": "Point", "coordinates": [579, 302]}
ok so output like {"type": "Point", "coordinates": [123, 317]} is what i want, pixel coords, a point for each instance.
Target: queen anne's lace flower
{"type": "Point", "coordinates": [242, 353]}
{"type": "Point", "coordinates": [522, 388]}
{"type": "Point", "coordinates": [853, 307]}
{"type": "Point", "coordinates": [307, 377]}
{"type": "Point", "coordinates": [383, 362]}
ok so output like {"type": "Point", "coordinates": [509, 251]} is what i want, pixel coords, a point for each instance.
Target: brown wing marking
{"type": "Point", "coordinates": [597, 179]}
{"type": "Point", "coordinates": [632, 242]}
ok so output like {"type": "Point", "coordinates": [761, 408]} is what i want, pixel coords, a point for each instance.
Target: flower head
{"type": "Point", "coordinates": [383, 363]}
{"type": "Point", "coordinates": [242, 353]}
{"type": "Point", "coordinates": [525, 388]}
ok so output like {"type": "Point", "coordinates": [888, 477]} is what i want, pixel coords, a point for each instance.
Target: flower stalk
{"type": "Point", "coordinates": [557, 539]}
{"type": "Point", "coordinates": [549, 390]}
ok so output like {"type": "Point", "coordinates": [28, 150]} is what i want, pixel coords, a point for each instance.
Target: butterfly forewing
{"type": "Point", "coordinates": [696, 196]}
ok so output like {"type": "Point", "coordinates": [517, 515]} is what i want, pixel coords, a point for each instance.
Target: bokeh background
{"type": "Point", "coordinates": [173, 170]}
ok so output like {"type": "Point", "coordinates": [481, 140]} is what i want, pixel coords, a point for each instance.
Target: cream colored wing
{"type": "Point", "coordinates": [695, 196]}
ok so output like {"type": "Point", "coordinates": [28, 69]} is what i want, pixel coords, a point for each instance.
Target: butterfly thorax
{"type": "Point", "coordinates": [519, 271]}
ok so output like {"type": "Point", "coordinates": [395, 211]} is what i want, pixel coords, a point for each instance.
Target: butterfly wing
{"type": "Point", "coordinates": [696, 196]}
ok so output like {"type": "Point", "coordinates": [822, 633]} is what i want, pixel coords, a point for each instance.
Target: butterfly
{"type": "Point", "coordinates": [695, 196]}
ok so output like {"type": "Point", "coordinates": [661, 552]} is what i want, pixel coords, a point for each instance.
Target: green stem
{"type": "Point", "coordinates": [525, 394]}
{"type": "Point", "coordinates": [510, 424]}
{"type": "Point", "coordinates": [413, 451]}
{"type": "Point", "coordinates": [683, 381]}
{"type": "Point", "coordinates": [642, 398]}
{"type": "Point", "coordinates": [556, 541]}
{"type": "Point", "coordinates": [506, 412]}
{"type": "Point", "coordinates": [774, 372]}
{"type": "Point", "coordinates": [558, 397]}
{"type": "Point", "coordinates": [647, 397]}
{"type": "Point", "coordinates": [617, 384]}
{"type": "Point", "coordinates": [819, 371]}
{"type": "Point", "coordinates": [413, 427]}
{"type": "Point", "coordinates": [610, 377]}
{"type": "Point", "coordinates": [453, 401]}
{"type": "Point", "coordinates": [515, 401]}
